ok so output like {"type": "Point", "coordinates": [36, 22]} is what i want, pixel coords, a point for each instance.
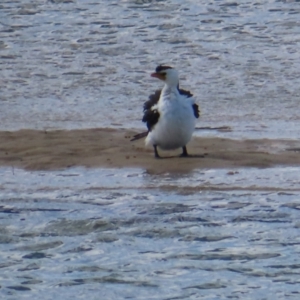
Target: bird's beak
{"type": "Point", "coordinates": [157, 75]}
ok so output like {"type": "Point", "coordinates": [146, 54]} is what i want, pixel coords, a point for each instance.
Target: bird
{"type": "Point", "coordinates": [170, 114]}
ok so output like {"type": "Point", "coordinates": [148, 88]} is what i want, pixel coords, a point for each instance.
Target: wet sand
{"type": "Point", "coordinates": [103, 147]}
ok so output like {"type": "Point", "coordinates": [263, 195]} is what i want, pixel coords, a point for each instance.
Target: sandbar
{"type": "Point", "coordinates": [112, 148]}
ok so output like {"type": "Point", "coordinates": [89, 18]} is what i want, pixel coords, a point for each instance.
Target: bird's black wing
{"type": "Point", "coordinates": [196, 110]}
{"type": "Point", "coordinates": [153, 99]}
{"type": "Point", "coordinates": [151, 115]}
{"type": "Point", "coordinates": [188, 94]}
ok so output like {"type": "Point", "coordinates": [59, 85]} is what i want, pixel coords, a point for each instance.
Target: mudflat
{"type": "Point", "coordinates": [112, 148]}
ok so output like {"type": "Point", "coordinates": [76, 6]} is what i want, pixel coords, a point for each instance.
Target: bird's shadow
{"type": "Point", "coordinates": [189, 156]}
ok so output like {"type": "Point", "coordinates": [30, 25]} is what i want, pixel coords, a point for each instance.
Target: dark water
{"type": "Point", "coordinates": [127, 234]}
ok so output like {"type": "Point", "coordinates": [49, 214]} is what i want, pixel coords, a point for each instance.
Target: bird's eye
{"type": "Point", "coordinates": [163, 74]}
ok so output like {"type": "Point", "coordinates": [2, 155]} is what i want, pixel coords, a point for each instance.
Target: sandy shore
{"type": "Point", "coordinates": [51, 150]}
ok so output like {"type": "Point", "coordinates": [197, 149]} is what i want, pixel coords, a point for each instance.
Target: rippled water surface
{"type": "Point", "coordinates": [74, 64]}
{"type": "Point", "coordinates": [128, 234]}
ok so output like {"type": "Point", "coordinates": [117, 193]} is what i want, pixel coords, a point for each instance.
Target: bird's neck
{"type": "Point", "coordinates": [169, 91]}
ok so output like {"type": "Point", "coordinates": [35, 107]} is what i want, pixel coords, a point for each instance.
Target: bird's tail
{"type": "Point", "coordinates": [139, 136]}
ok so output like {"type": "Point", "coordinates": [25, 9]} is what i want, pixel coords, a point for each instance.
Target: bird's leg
{"type": "Point", "coordinates": [184, 152]}
{"type": "Point", "coordinates": [156, 152]}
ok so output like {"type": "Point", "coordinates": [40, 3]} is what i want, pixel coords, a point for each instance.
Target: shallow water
{"type": "Point", "coordinates": [78, 64]}
{"type": "Point", "coordinates": [127, 234]}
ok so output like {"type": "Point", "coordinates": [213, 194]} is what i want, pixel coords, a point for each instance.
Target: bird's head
{"type": "Point", "coordinates": [166, 74]}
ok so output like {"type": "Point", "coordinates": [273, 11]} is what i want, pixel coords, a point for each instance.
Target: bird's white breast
{"type": "Point", "coordinates": [176, 122]}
